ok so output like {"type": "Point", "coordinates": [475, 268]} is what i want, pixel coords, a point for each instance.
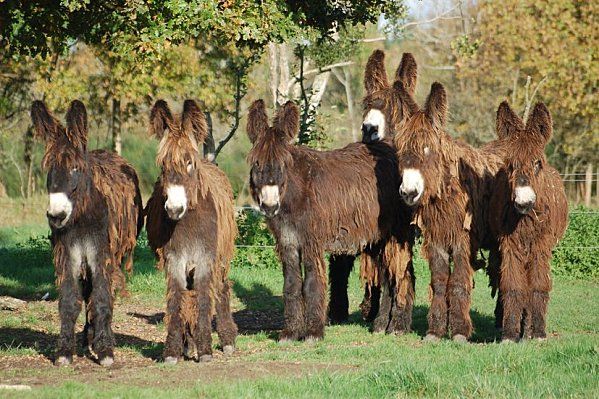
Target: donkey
{"type": "Point", "coordinates": [191, 228]}
{"type": "Point", "coordinates": [95, 214]}
{"type": "Point", "coordinates": [448, 184]}
{"type": "Point", "coordinates": [528, 215]}
{"type": "Point", "coordinates": [340, 201]}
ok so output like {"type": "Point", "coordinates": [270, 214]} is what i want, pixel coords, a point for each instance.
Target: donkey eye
{"type": "Point", "coordinates": [537, 165]}
{"type": "Point", "coordinates": [189, 167]}
{"type": "Point", "coordinates": [74, 170]}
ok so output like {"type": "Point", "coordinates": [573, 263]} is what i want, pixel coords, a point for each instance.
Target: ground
{"type": "Point", "coordinates": [350, 362]}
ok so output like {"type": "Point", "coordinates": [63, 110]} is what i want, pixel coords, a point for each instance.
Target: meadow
{"type": "Point", "coordinates": [350, 362]}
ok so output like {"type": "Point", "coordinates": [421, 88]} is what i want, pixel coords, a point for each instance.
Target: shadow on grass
{"type": "Point", "coordinates": [45, 343]}
{"type": "Point", "coordinates": [263, 310]}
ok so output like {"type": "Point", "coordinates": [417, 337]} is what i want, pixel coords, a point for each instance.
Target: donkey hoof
{"type": "Point", "coordinates": [228, 350]}
{"type": "Point", "coordinates": [312, 339]}
{"type": "Point", "coordinates": [63, 361]}
{"type": "Point", "coordinates": [205, 358]}
{"type": "Point", "coordinates": [170, 360]}
{"type": "Point", "coordinates": [431, 338]}
{"type": "Point", "coordinates": [107, 361]}
{"type": "Point", "coordinates": [459, 338]}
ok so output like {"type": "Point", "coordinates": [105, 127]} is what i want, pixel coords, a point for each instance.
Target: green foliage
{"type": "Point", "coordinates": [255, 244]}
{"type": "Point", "coordinates": [577, 254]}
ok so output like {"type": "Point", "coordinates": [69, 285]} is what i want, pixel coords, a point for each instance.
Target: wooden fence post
{"type": "Point", "coordinates": [588, 185]}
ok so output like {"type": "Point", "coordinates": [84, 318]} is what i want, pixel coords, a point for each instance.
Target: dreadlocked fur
{"type": "Point", "coordinates": [340, 201]}
{"type": "Point", "coordinates": [99, 233]}
{"type": "Point", "coordinates": [450, 209]}
{"type": "Point", "coordinates": [520, 268]}
{"type": "Point", "coordinates": [195, 249]}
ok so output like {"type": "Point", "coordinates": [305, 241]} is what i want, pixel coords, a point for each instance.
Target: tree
{"type": "Point", "coordinates": [524, 43]}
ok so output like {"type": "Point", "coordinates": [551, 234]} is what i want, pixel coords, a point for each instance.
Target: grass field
{"type": "Point", "coordinates": [349, 362]}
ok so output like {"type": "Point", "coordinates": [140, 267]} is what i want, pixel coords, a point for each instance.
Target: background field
{"type": "Point", "coordinates": [349, 362]}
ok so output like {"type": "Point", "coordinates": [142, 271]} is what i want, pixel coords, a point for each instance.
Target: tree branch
{"type": "Point", "coordinates": [237, 115]}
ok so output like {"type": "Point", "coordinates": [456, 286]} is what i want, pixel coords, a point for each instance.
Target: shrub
{"type": "Point", "coordinates": [255, 244]}
{"type": "Point", "coordinates": [577, 254]}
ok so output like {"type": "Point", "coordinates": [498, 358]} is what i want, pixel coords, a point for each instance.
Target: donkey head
{"type": "Point", "coordinates": [65, 159]}
{"type": "Point", "coordinates": [419, 147]}
{"type": "Point", "coordinates": [269, 157]}
{"type": "Point", "coordinates": [525, 160]}
{"type": "Point", "coordinates": [383, 108]}
{"type": "Point", "coordinates": [179, 154]}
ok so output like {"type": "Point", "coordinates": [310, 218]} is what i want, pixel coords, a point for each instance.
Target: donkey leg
{"type": "Point", "coordinates": [295, 324]}
{"type": "Point", "coordinates": [381, 322]}
{"type": "Point", "coordinates": [438, 260]}
{"type": "Point", "coordinates": [101, 300]}
{"type": "Point", "coordinates": [314, 296]}
{"type": "Point", "coordinates": [459, 293]}
{"type": "Point", "coordinates": [69, 307]}
{"type": "Point", "coordinates": [539, 282]}
{"type": "Point", "coordinates": [493, 271]}
{"type": "Point", "coordinates": [173, 345]}
{"type": "Point", "coordinates": [401, 312]}
{"type": "Point", "coordinates": [88, 329]}
{"type": "Point", "coordinates": [203, 328]}
{"type": "Point", "coordinates": [340, 267]}
{"type": "Point", "coordinates": [369, 307]}
{"type": "Point", "coordinates": [513, 294]}
{"type": "Point", "coordinates": [225, 325]}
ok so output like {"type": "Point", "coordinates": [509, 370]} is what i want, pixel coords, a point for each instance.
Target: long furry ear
{"type": "Point", "coordinates": [507, 122]}
{"type": "Point", "coordinates": [436, 104]}
{"type": "Point", "coordinates": [77, 124]}
{"type": "Point", "coordinates": [193, 121]}
{"type": "Point", "coordinates": [287, 120]}
{"type": "Point", "coordinates": [540, 122]}
{"type": "Point", "coordinates": [46, 126]}
{"type": "Point", "coordinates": [257, 122]}
{"type": "Point", "coordinates": [375, 75]}
{"type": "Point", "coordinates": [161, 119]}
{"type": "Point", "coordinates": [407, 72]}
{"type": "Point", "coordinates": [408, 104]}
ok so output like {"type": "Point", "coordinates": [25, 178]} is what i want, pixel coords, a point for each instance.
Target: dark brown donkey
{"type": "Point", "coordinates": [191, 228]}
{"type": "Point", "coordinates": [448, 184]}
{"type": "Point", "coordinates": [95, 213]}
{"type": "Point", "coordinates": [528, 215]}
{"type": "Point", "coordinates": [339, 201]}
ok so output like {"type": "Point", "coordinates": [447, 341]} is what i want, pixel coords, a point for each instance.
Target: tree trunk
{"type": "Point", "coordinates": [116, 126]}
{"type": "Point", "coordinates": [209, 147]}
{"type": "Point", "coordinates": [28, 159]}
{"type": "Point", "coordinates": [278, 56]}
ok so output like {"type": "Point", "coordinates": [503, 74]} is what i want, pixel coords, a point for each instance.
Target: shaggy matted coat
{"type": "Point", "coordinates": [96, 230]}
{"type": "Point", "coordinates": [324, 201]}
{"type": "Point", "coordinates": [528, 215]}
{"type": "Point", "coordinates": [195, 244]}
{"type": "Point", "coordinates": [448, 183]}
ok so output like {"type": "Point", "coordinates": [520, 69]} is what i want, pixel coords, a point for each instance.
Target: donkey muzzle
{"type": "Point", "coordinates": [370, 133]}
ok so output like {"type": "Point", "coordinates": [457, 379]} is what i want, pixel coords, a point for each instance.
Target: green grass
{"type": "Point", "coordinates": [349, 362]}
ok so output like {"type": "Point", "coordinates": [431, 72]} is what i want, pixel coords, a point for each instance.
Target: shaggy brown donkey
{"type": "Point", "coordinates": [383, 110]}
{"type": "Point", "coordinates": [191, 227]}
{"type": "Point", "coordinates": [339, 201]}
{"type": "Point", "coordinates": [447, 182]}
{"type": "Point", "coordinates": [95, 213]}
{"type": "Point", "coordinates": [528, 215]}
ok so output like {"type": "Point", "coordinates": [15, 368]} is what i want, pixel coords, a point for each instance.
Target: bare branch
{"type": "Point", "coordinates": [237, 115]}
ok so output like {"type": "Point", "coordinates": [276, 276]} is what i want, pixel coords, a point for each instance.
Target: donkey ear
{"type": "Point", "coordinates": [193, 121]}
{"type": "Point", "coordinates": [257, 120]}
{"type": "Point", "coordinates": [407, 72]}
{"type": "Point", "coordinates": [46, 126]}
{"type": "Point", "coordinates": [540, 122]}
{"type": "Point", "coordinates": [375, 75]}
{"type": "Point", "coordinates": [77, 124]}
{"type": "Point", "coordinates": [161, 119]}
{"type": "Point", "coordinates": [507, 122]}
{"type": "Point", "coordinates": [287, 120]}
{"type": "Point", "coordinates": [436, 104]}
{"type": "Point", "coordinates": [408, 104]}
